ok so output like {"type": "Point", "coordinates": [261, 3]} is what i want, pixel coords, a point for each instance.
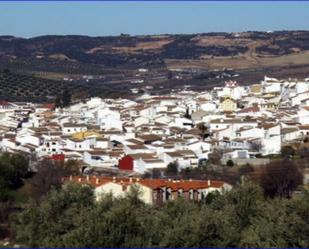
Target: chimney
{"type": "Point", "coordinates": [114, 178]}
{"type": "Point", "coordinates": [208, 183]}
{"type": "Point", "coordinates": [97, 181]}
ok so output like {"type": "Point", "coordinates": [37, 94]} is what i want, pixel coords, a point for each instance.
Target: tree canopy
{"type": "Point", "coordinates": [13, 168]}
{"type": "Point", "coordinates": [243, 217]}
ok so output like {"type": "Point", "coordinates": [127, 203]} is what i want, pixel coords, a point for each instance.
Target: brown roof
{"type": "Point", "coordinates": [150, 137]}
{"type": "Point", "coordinates": [74, 125]}
{"type": "Point", "coordinates": [250, 109]}
{"type": "Point", "coordinates": [303, 127]}
{"type": "Point", "coordinates": [267, 126]}
{"type": "Point", "coordinates": [137, 147]}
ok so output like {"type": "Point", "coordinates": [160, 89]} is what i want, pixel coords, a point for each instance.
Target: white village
{"type": "Point", "coordinates": [137, 137]}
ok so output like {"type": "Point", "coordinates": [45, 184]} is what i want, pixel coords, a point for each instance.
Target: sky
{"type": "Point", "coordinates": [29, 19]}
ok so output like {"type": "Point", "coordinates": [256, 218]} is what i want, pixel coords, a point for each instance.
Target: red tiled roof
{"type": "Point", "coordinates": [185, 185]}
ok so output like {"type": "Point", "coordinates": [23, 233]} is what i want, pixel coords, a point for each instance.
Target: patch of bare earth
{"type": "Point", "coordinates": [244, 61]}
{"type": "Point", "coordinates": [140, 46]}
{"type": "Point", "coordinates": [61, 57]}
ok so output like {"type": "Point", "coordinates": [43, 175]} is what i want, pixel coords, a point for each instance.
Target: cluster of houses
{"type": "Point", "coordinates": [151, 191]}
{"type": "Point", "coordinates": [151, 132]}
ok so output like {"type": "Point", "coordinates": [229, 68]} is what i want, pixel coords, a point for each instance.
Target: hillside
{"type": "Point", "coordinates": [76, 52]}
{"type": "Point", "coordinates": [22, 87]}
{"type": "Point", "coordinates": [112, 62]}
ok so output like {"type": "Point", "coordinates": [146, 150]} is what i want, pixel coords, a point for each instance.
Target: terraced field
{"type": "Point", "coordinates": [24, 87]}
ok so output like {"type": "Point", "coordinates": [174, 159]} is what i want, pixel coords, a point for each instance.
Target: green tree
{"type": "Point", "coordinates": [287, 151]}
{"type": "Point", "coordinates": [58, 101]}
{"type": "Point", "coordinates": [71, 167]}
{"type": "Point", "coordinates": [66, 97]}
{"type": "Point", "coordinates": [63, 99]}
{"type": "Point", "coordinates": [172, 168]}
{"type": "Point", "coordinates": [280, 223]}
{"type": "Point", "coordinates": [13, 168]}
{"type": "Point", "coordinates": [46, 225]}
{"type": "Point", "coordinates": [230, 163]}
{"type": "Point", "coordinates": [242, 217]}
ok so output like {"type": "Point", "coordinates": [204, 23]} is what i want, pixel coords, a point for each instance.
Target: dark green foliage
{"type": "Point", "coordinates": [13, 168]}
{"type": "Point", "coordinates": [63, 99]}
{"type": "Point", "coordinates": [230, 163]}
{"type": "Point", "coordinates": [240, 218]}
{"type": "Point", "coordinates": [48, 224]}
{"type": "Point", "coordinates": [66, 97]}
{"type": "Point", "coordinates": [172, 168]}
{"type": "Point", "coordinates": [287, 151]}
{"type": "Point", "coordinates": [187, 115]}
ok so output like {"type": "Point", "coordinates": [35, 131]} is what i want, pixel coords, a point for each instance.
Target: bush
{"type": "Point", "coordinates": [172, 168]}
{"type": "Point", "coordinates": [230, 163]}
{"type": "Point", "coordinates": [281, 178]}
{"type": "Point", "coordinates": [287, 151]}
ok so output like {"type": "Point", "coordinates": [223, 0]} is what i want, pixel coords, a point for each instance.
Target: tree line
{"type": "Point", "coordinates": [243, 217]}
{"type": "Point", "coordinates": [264, 213]}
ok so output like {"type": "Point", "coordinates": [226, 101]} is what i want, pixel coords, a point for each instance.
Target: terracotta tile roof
{"type": "Point", "coordinates": [303, 127]}
{"type": "Point", "coordinates": [174, 185]}
{"type": "Point", "coordinates": [250, 109]}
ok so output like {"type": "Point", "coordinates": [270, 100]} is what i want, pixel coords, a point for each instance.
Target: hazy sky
{"type": "Point", "coordinates": [29, 19]}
